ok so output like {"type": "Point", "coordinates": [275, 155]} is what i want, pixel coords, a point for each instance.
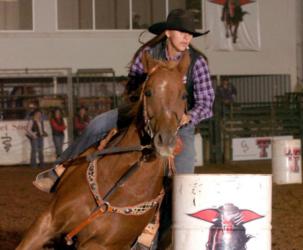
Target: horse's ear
{"type": "Point", "coordinates": [148, 62]}
{"type": "Point", "coordinates": [184, 63]}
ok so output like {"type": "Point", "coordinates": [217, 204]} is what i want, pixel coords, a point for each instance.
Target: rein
{"type": "Point", "coordinates": [147, 120]}
{"type": "Point", "coordinates": [116, 150]}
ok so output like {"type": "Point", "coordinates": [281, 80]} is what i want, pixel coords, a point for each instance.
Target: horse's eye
{"type": "Point", "coordinates": [148, 93]}
{"type": "Point", "coordinates": [184, 96]}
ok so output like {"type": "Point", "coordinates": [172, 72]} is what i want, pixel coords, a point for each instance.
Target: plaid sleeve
{"type": "Point", "coordinates": [203, 92]}
{"type": "Point", "coordinates": [137, 67]}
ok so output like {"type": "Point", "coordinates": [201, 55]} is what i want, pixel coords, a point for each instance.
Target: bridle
{"type": "Point", "coordinates": [147, 120]}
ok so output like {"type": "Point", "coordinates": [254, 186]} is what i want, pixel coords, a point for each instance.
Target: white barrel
{"type": "Point", "coordinates": [286, 161]}
{"type": "Point", "coordinates": [213, 209]}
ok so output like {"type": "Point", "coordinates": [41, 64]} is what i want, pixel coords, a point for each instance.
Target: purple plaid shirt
{"type": "Point", "coordinates": [203, 91]}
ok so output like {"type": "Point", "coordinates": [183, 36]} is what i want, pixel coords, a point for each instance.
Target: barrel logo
{"type": "Point", "coordinates": [293, 155]}
{"type": "Point", "coordinates": [227, 231]}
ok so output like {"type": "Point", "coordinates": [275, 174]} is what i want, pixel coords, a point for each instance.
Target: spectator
{"type": "Point", "coordinates": [31, 108]}
{"type": "Point", "coordinates": [81, 121]}
{"type": "Point", "coordinates": [226, 94]}
{"type": "Point", "coordinates": [35, 132]}
{"type": "Point", "coordinates": [58, 127]}
{"type": "Point", "coordinates": [136, 21]}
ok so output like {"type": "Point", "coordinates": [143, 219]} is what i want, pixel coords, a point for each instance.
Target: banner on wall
{"type": "Point", "coordinates": [233, 24]}
{"type": "Point", "coordinates": [15, 147]}
{"type": "Point", "coordinates": [254, 148]}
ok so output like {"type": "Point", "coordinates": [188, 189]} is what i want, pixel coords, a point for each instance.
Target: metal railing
{"type": "Point", "coordinates": [46, 88]}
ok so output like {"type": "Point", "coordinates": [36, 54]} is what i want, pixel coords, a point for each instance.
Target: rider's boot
{"type": "Point", "coordinates": [46, 180]}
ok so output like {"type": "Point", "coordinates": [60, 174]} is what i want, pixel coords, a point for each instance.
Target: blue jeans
{"type": "Point", "coordinates": [94, 132]}
{"type": "Point", "coordinates": [185, 161]}
{"type": "Point", "coordinates": [58, 142]}
{"type": "Point", "coordinates": [37, 148]}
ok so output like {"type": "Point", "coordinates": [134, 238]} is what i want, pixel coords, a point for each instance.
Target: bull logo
{"type": "Point", "coordinates": [293, 155]}
{"type": "Point", "coordinates": [232, 15]}
{"type": "Point", "coordinates": [227, 231]}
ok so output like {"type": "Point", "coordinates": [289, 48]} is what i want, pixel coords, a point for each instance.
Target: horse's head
{"type": "Point", "coordinates": [164, 100]}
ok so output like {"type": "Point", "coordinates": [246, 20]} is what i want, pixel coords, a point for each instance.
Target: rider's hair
{"type": "Point", "coordinates": [150, 43]}
{"type": "Point", "coordinates": [157, 39]}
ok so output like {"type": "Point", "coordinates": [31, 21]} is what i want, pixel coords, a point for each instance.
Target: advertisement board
{"type": "Point", "coordinates": [254, 148]}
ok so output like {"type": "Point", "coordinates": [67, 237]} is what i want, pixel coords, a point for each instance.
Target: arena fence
{"type": "Point", "coordinates": [21, 90]}
{"type": "Point", "coordinates": [263, 105]}
{"type": "Point", "coordinates": [282, 117]}
{"type": "Point", "coordinates": [260, 88]}
{"type": "Point", "coordinates": [97, 90]}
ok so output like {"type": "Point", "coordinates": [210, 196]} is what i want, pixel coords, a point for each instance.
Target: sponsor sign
{"type": "Point", "coordinates": [254, 148]}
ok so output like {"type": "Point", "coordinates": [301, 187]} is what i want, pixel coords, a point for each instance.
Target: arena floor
{"type": "Point", "coordinates": [21, 203]}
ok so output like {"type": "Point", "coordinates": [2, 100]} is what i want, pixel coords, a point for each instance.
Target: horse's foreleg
{"type": "Point", "coordinates": [38, 234]}
{"type": "Point", "coordinates": [226, 29]}
{"type": "Point", "coordinates": [235, 33]}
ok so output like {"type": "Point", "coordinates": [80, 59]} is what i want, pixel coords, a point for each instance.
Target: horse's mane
{"type": "Point", "coordinates": [168, 65]}
{"type": "Point", "coordinates": [150, 43]}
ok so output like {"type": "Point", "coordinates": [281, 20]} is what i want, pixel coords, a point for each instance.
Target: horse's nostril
{"type": "Point", "coordinates": [160, 139]}
{"type": "Point", "coordinates": [164, 140]}
{"type": "Point", "coordinates": [164, 143]}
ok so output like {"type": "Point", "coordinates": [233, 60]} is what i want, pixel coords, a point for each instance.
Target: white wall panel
{"type": "Point", "coordinates": [50, 48]}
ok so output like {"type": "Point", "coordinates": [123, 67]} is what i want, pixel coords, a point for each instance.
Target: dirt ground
{"type": "Point", "coordinates": [21, 203]}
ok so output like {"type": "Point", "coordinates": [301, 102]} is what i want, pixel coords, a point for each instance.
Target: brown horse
{"type": "Point", "coordinates": [159, 113]}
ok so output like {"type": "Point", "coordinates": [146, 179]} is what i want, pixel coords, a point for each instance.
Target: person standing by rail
{"type": "Point", "coordinates": [35, 132]}
{"type": "Point", "coordinates": [81, 121]}
{"type": "Point", "coordinates": [58, 127]}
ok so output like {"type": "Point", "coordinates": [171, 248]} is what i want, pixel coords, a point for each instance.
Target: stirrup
{"type": "Point", "coordinates": [46, 180]}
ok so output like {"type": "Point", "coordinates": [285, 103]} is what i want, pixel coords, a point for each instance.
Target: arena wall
{"type": "Point", "coordinates": [46, 47]}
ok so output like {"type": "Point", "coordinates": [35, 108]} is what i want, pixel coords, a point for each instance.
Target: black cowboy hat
{"type": "Point", "coordinates": [177, 19]}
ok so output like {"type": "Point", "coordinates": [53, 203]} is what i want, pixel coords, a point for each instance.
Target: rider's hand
{"type": "Point", "coordinates": [185, 119]}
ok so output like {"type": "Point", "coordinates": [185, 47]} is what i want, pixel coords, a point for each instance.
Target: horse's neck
{"type": "Point", "coordinates": [149, 173]}
{"type": "Point", "coordinates": [131, 136]}
{"type": "Point", "coordinates": [136, 136]}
